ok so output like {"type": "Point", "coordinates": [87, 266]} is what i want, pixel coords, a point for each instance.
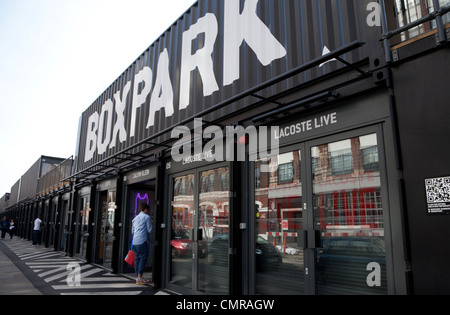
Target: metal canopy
{"type": "Point", "coordinates": [126, 159]}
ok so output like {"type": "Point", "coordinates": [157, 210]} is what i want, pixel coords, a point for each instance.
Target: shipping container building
{"type": "Point", "coordinates": [284, 147]}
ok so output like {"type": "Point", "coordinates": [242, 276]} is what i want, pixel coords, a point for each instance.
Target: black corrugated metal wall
{"type": "Point", "coordinates": [303, 28]}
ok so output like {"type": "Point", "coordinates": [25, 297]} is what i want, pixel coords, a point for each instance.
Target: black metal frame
{"type": "Point", "coordinates": [126, 160]}
{"type": "Point", "coordinates": [436, 15]}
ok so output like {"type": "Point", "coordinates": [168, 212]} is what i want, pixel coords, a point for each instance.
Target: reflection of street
{"type": "Point", "coordinates": [212, 279]}
{"type": "Point", "coordinates": [181, 272]}
{"type": "Point", "coordinates": [195, 225]}
{"type": "Point", "coordinates": [287, 279]}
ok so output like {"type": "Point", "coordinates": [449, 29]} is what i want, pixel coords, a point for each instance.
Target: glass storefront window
{"type": "Point", "coordinates": [279, 262]}
{"type": "Point", "coordinates": [105, 229]}
{"type": "Point", "coordinates": [83, 227]}
{"type": "Point", "coordinates": [330, 241]}
{"type": "Point", "coordinates": [181, 231]}
{"type": "Point", "coordinates": [109, 228]}
{"type": "Point", "coordinates": [348, 211]}
{"type": "Point", "coordinates": [200, 231]}
{"type": "Point", "coordinates": [213, 220]}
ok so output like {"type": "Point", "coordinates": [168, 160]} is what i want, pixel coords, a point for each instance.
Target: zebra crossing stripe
{"type": "Point", "coordinates": [52, 268]}
{"type": "Point", "coordinates": [96, 286]}
{"type": "Point", "coordinates": [63, 274]}
{"type": "Point", "coordinates": [47, 273]}
{"type": "Point", "coordinates": [38, 255]}
{"type": "Point", "coordinates": [103, 279]}
{"type": "Point", "coordinates": [90, 272]}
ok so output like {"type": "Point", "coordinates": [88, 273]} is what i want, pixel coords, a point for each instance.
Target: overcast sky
{"type": "Point", "coordinates": [56, 58]}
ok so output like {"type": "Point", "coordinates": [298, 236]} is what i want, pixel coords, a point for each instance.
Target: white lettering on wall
{"type": "Point", "coordinates": [103, 141]}
{"type": "Point", "coordinates": [201, 59]}
{"type": "Point", "coordinates": [119, 127]}
{"type": "Point", "coordinates": [91, 137]}
{"type": "Point", "coordinates": [249, 28]}
{"type": "Point", "coordinates": [162, 96]}
{"type": "Point", "coordinates": [237, 26]}
{"type": "Point", "coordinates": [142, 87]}
{"type": "Point", "coordinates": [307, 125]}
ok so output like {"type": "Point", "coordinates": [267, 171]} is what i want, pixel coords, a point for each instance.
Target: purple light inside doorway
{"type": "Point", "coordinates": [139, 198]}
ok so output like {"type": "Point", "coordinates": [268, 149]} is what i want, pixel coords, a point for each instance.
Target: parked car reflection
{"type": "Point", "coordinates": [180, 243]}
{"type": "Point", "coordinates": [266, 254]}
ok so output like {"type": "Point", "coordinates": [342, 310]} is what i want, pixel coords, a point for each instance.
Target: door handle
{"type": "Point", "coordinates": [199, 235]}
{"type": "Point", "coordinates": [316, 239]}
{"type": "Point", "coordinates": [311, 239]}
{"type": "Point", "coordinates": [303, 242]}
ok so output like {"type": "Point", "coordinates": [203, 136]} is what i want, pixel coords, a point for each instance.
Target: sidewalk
{"type": "Point", "coordinates": [12, 280]}
{"type": "Point", "coordinates": [36, 270]}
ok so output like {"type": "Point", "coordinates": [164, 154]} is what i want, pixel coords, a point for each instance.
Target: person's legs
{"type": "Point", "coordinates": [136, 259]}
{"type": "Point", "coordinates": [35, 237]}
{"type": "Point", "coordinates": [140, 260]}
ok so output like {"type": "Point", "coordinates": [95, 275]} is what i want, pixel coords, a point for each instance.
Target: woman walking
{"type": "Point", "coordinates": [12, 229]}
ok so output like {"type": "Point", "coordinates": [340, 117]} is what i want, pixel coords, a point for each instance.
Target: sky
{"type": "Point", "coordinates": [56, 58]}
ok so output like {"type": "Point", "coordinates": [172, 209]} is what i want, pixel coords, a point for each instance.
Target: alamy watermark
{"type": "Point", "coordinates": [374, 277]}
{"type": "Point", "coordinates": [74, 277]}
{"type": "Point", "coordinates": [374, 17]}
{"type": "Point", "coordinates": [217, 144]}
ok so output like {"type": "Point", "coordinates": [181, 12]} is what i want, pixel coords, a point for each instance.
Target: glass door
{"type": "Point", "coordinates": [319, 218]}
{"type": "Point", "coordinates": [105, 231]}
{"type": "Point", "coordinates": [213, 241]}
{"type": "Point", "coordinates": [182, 231]}
{"type": "Point", "coordinates": [109, 228]}
{"type": "Point", "coordinates": [82, 232]}
{"type": "Point", "coordinates": [348, 214]}
{"type": "Point", "coordinates": [53, 229]}
{"type": "Point", "coordinates": [199, 243]}
{"type": "Point", "coordinates": [279, 256]}
{"type": "Point", "coordinates": [64, 225]}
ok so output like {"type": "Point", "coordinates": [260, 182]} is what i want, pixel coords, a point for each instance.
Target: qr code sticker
{"type": "Point", "coordinates": [438, 189]}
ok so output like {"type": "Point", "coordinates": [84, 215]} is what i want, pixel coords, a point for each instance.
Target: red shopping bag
{"type": "Point", "coordinates": [130, 258]}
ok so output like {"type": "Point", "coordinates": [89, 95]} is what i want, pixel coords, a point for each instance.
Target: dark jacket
{"type": "Point", "coordinates": [4, 224]}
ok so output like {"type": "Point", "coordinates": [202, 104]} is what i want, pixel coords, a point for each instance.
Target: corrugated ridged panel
{"type": "Point", "coordinates": [28, 183]}
{"type": "Point", "coordinates": [14, 193]}
{"type": "Point", "coordinates": [302, 27]}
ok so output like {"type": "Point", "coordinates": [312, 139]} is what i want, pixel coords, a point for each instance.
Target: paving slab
{"type": "Point", "coordinates": [12, 279]}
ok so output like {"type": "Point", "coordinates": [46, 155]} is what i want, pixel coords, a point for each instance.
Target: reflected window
{"type": "Point", "coordinates": [211, 183]}
{"type": "Point", "coordinates": [224, 182]}
{"type": "Point", "coordinates": [285, 173]}
{"type": "Point", "coordinates": [348, 211]}
{"type": "Point", "coordinates": [278, 213]}
{"type": "Point", "coordinates": [181, 231]}
{"type": "Point", "coordinates": [213, 222]}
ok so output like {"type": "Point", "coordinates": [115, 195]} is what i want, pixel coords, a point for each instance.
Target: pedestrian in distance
{"type": "Point", "coordinates": [12, 229]}
{"type": "Point", "coordinates": [36, 230]}
{"type": "Point", "coordinates": [141, 229]}
{"type": "Point", "coordinates": [4, 224]}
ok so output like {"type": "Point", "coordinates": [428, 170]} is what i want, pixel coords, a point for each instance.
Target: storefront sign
{"type": "Point", "coordinates": [238, 28]}
{"type": "Point", "coordinates": [140, 175]}
{"type": "Point", "coordinates": [198, 63]}
{"type": "Point", "coordinates": [307, 125]}
{"type": "Point", "coordinates": [438, 195]}
{"type": "Point", "coordinates": [107, 184]}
